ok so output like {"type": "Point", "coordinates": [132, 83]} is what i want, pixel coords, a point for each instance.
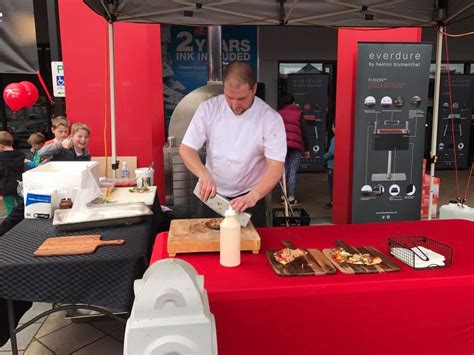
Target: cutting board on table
{"type": "Point", "coordinates": [312, 264]}
{"type": "Point", "coordinates": [387, 265]}
{"type": "Point", "coordinates": [192, 236]}
{"type": "Point", "coordinates": [73, 245]}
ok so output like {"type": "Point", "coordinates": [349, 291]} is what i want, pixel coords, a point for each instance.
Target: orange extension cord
{"type": "Point", "coordinates": [106, 96]}
{"type": "Point", "coordinates": [453, 138]}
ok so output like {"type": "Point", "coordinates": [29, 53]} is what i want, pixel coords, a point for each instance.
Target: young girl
{"type": "Point", "coordinates": [73, 148]}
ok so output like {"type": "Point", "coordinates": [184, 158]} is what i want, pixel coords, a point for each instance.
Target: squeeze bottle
{"type": "Point", "coordinates": [230, 240]}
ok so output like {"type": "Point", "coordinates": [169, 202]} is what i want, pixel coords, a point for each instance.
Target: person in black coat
{"type": "Point", "coordinates": [12, 165]}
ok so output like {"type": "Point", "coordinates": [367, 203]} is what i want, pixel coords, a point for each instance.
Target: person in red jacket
{"type": "Point", "coordinates": [296, 145]}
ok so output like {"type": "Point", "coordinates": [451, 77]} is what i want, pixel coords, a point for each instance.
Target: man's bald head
{"type": "Point", "coordinates": [238, 73]}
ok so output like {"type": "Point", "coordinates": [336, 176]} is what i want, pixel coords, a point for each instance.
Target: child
{"type": "Point", "coordinates": [11, 170]}
{"type": "Point", "coordinates": [60, 129]}
{"type": "Point", "coordinates": [36, 141]}
{"type": "Point", "coordinates": [329, 158]}
{"type": "Point", "coordinates": [73, 148]}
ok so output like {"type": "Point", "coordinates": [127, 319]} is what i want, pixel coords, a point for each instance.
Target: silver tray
{"type": "Point", "coordinates": [103, 216]}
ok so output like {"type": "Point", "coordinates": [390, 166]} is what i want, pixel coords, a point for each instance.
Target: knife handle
{"type": "Point", "coordinates": [288, 244]}
{"type": "Point", "coordinates": [344, 246]}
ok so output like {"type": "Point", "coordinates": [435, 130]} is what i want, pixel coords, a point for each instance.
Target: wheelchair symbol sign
{"type": "Point", "coordinates": [60, 80]}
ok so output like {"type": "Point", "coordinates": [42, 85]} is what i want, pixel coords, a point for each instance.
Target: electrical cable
{"type": "Point", "coordinates": [453, 138]}
{"type": "Point", "coordinates": [468, 183]}
{"type": "Point", "coordinates": [45, 88]}
{"type": "Point", "coordinates": [106, 96]}
{"type": "Point", "coordinates": [457, 35]}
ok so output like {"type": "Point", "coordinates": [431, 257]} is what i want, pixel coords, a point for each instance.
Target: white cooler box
{"type": "Point", "coordinates": [58, 176]}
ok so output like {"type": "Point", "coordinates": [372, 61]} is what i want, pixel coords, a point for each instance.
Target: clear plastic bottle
{"type": "Point", "coordinates": [230, 240]}
{"type": "Point", "coordinates": [125, 171]}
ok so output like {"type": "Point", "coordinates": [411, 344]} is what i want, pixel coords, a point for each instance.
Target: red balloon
{"type": "Point", "coordinates": [31, 93]}
{"type": "Point", "coordinates": [14, 95]}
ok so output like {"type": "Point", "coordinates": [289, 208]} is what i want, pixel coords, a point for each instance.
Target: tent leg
{"type": "Point", "coordinates": [434, 132]}
{"type": "Point", "coordinates": [112, 99]}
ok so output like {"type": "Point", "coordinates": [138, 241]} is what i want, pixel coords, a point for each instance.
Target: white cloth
{"type": "Point", "coordinates": [237, 145]}
{"type": "Point", "coordinates": [423, 257]}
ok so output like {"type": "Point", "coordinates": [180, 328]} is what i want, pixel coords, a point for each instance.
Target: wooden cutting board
{"type": "Point", "coordinates": [313, 264]}
{"type": "Point", "coordinates": [73, 245]}
{"type": "Point", "coordinates": [192, 236]}
{"type": "Point", "coordinates": [387, 265]}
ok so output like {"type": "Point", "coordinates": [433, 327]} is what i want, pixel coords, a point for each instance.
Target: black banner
{"type": "Point", "coordinates": [18, 52]}
{"type": "Point", "coordinates": [389, 131]}
{"type": "Point", "coordinates": [459, 121]}
{"type": "Point", "coordinates": [311, 94]}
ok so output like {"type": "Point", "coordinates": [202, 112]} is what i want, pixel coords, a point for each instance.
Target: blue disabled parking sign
{"type": "Point", "coordinates": [60, 80]}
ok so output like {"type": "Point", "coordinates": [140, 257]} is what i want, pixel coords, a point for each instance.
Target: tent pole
{"type": "Point", "coordinates": [112, 98]}
{"type": "Point", "coordinates": [434, 132]}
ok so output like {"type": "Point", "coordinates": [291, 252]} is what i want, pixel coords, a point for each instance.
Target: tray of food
{"type": "Point", "coordinates": [101, 216]}
{"type": "Point", "coordinates": [359, 260]}
{"type": "Point", "coordinates": [291, 261]}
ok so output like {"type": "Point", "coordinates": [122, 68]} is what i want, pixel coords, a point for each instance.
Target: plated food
{"type": "Point", "coordinates": [342, 256]}
{"type": "Point", "coordinates": [214, 223]}
{"type": "Point", "coordinates": [139, 189]}
{"type": "Point", "coordinates": [287, 255]}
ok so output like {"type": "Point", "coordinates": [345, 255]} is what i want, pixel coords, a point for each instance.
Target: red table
{"type": "Point", "coordinates": [406, 312]}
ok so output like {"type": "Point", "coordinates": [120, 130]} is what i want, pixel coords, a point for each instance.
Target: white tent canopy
{"type": "Point", "coordinates": [329, 13]}
{"type": "Point", "coordinates": [337, 13]}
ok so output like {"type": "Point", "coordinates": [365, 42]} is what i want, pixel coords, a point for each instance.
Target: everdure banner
{"type": "Point", "coordinates": [455, 116]}
{"type": "Point", "coordinates": [18, 51]}
{"type": "Point", "coordinates": [389, 131]}
{"type": "Point", "coordinates": [311, 94]}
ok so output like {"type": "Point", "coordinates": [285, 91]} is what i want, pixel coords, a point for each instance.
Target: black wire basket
{"type": "Point", "coordinates": [298, 217]}
{"type": "Point", "coordinates": [420, 252]}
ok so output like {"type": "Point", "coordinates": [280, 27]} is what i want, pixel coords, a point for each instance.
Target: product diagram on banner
{"type": "Point", "coordinates": [389, 130]}
{"type": "Point", "coordinates": [391, 135]}
{"type": "Point", "coordinates": [455, 120]}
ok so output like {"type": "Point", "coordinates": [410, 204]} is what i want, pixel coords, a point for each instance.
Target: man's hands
{"type": "Point", "coordinates": [207, 186]}
{"type": "Point", "coordinates": [240, 204]}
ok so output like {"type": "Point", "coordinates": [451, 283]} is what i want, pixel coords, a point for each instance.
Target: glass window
{"type": "Point", "coordinates": [293, 68]}
{"type": "Point", "coordinates": [454, 68]}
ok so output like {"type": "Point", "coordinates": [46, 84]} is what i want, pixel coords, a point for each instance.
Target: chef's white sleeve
{"type": "Point", "coordinates": [274, 139]}
{"type": "Point", "coordinates": [196, 134]}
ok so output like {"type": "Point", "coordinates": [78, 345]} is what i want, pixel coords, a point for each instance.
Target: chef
{"type": "Point", "coordinates": [245, 144]}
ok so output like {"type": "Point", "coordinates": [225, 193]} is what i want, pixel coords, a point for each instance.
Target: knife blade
{"type": "Point", "coordinates": [220, 204]}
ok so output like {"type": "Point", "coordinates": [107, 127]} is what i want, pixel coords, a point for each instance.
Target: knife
{"type": "Point", "coordinates": [220, 204]}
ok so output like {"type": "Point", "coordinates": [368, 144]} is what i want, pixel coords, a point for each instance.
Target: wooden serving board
{"type": "Point", "coordinates": [192, 236]}
{"type": "Point", "coordinates": [73, 245]}
{"type": "Point", "coordinates": [387, 265]}
{"type": "Point", "coordinates": [313, 264]}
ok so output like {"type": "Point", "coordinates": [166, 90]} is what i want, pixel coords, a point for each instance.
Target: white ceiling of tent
{"type": "Point", "coordinates": [337, 13]}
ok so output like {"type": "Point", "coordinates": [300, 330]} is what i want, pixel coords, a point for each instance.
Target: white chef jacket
{"type": "Point", "coordinates": [237, 145]}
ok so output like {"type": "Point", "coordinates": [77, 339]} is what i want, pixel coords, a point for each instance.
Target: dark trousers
{"type": "Point", "coordinates": [330, 181]}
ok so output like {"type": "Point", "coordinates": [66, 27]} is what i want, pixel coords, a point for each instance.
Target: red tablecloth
{"type": "Point", "coordinates": [406, 312]}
